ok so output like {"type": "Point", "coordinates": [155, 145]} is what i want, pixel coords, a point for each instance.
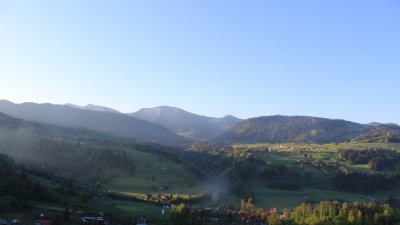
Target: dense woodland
{"type": "Point", "coordinates": [377, 159]}
{"type": "Point", "coordinates": [363, 182]}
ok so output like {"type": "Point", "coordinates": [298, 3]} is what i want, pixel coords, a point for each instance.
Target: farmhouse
{"type": "Point", "coordinates": [93, 220]}
{"type": "Point", "coordinates": [164, 197]}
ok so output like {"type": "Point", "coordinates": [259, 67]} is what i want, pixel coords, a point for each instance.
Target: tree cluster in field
{"type": "Point", "coordinates": [377, 159]}
{"type": "Point", "coordinates": [208, 146]}
{"type": "Point", "coordinates": [274, 176]}
{"type": "Point", "coordinates": [363, 182]}
{"type": "Point", "coordinates": [317, 163]}
{"type": "Point", "coordinates": [342, 213]}
{"type": "Point", "coordinates": [206, 164]}
{"type": "Point", "coordinates": [16, 188]}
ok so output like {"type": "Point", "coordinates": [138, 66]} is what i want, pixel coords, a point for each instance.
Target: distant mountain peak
{"type": "Point", "coordinates": [93, 108]}
{"type": "Point", "coordinates": [230, 117]}
{"type": "Point", "coordinates": [186, 124]}
{"type": "Point", "coordinates": [100, 108]}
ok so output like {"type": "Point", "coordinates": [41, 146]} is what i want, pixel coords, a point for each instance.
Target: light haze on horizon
{"type": "Point", "coordinates": [334, 59]}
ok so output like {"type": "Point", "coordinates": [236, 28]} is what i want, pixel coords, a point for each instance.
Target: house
{"type": "Point", "coordinates": [164, 197]}
{"type": "Point", "coordinates": [272, 210]}
{"type": "Point", "coordinates": [93, 220]}
{"type": "Point", "coordinates": [162, 188]}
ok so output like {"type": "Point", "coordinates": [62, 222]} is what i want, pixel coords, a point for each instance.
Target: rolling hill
{"type": "Point", "coordinates": [284, 129]}
{"type": "Point", "coordinates": [186, 124]}
{"type": "Point", "coordinates": [110, 122]}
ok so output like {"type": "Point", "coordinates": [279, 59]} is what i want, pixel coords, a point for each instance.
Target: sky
{"type": "Point", "coordinates": [335, 59]}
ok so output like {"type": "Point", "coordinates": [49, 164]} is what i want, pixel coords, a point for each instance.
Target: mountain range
{"type": "Point", "coordinates": [171, 125]}
{"type": "Point", "coordinates": [73, 117]}
{"type": "Point", "coordinates": [186, 124]}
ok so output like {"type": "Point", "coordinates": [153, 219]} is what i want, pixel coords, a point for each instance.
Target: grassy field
{"type": "Point", "coordinates": [152, 170]}
{"type": "Point", "coordinates": [281, 199]}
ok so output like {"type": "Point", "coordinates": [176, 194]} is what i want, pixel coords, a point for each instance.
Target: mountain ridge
{"type": "Point", "coordinates": [171, 125]}
{"type": "Point", "coordinates": [189, 125]}
{"type": "Point", "coordinates": [114, 123]}
{"type": "Point", "coordinates": [281, 129]}
{"type": "Point", "coordinates": [93, 108]}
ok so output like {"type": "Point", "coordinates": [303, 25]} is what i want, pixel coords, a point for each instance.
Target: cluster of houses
{"type": "Point", "coordinates": [39, 220]}
{"type": "Point", "coordinates": [290, 149]}
{"type": "Point", "coordinates": [225, 215]}
{"type": "Point", "coordinates": [95, 220]}
{"type": "Point", "coordinates": [3, 221]}
{"type": "Point", "coordinates": [163, 198]}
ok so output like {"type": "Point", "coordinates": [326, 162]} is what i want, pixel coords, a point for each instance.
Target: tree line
{"type": "Point", "coordinates": [343, 213]}
{"type": "Point", "coordinates": [363, 182]}
{"type": "Point", "coordinates": [377, 159]}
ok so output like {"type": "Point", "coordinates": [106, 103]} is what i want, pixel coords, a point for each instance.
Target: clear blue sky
{"type": "Point", "coordinates": [334, 58]}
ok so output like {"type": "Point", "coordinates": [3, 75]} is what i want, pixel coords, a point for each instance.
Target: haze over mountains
{"type": "Point", "coordinates": [114, 123]}
{"type": "Point", "coordinates": [171, 125]}
{"type": "Point", "coordinates": [186, 124]}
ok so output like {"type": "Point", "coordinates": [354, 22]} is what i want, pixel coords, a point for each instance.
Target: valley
{"type": "Point", "coordinates": [87, 172]}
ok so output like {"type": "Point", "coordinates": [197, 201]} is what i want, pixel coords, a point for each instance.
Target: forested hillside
{"type": "Point", "coordinates": [380, 133]}
{"type": "Point", "coordinates": [305, 129]}
{"type": "Point", "coordinates": [113, 123]}
{"type": "Point", "coordinates": [281, 129]}
{"type": "Point", "coordinates": [22, 141]}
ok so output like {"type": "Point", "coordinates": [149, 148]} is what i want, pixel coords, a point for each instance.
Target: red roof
{"type": "Point", "coordinates": [272, 210]}
{"type": "Point", "coordinates": [46, 222]}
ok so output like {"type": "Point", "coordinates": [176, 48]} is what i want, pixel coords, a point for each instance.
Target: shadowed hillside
{"type": "Point", "coordinates": [114, 123]}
